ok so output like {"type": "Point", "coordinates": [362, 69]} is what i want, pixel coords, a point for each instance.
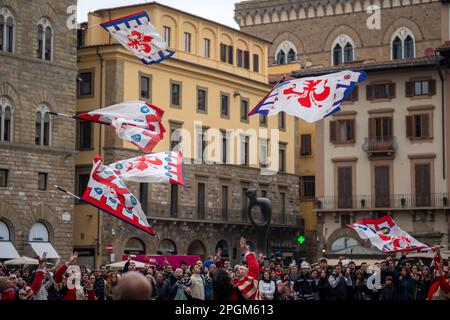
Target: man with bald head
{"type": "Point", "coordinates": [133, 286]}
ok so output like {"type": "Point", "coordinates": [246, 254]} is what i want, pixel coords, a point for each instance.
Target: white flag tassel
{"type": "Point", "coordinates": [387, 236]}
{"type": "Point", "coordinates": [310, 99]}
{"type": "Point", "coordinates": [136, 33]}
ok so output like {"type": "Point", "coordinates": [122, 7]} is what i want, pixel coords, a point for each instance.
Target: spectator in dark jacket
{"type": "Point", "coordinates": [339, 283]}
{"type": "Point", "coordinates": [305, 285]}
{"type": "Point", "coordinates": [389, 291]}
{"type": "Point", "coordinates": [323, 286]}
{"type": "Point", "coordinates": [405, 285]}
{"type": "Point", "coordinates": [162, 287]}
{"type": "Point", "coordinates": [361, 291]}
{"type": "Point", "coordinates": [99, 286]}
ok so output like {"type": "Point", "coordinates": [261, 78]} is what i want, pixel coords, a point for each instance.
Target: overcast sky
{"type": "Point", "coordinates": [221, 11]}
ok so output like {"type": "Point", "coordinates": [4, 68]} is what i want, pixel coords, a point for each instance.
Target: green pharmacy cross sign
{"type": "Point", "coordinates": [301, 239]}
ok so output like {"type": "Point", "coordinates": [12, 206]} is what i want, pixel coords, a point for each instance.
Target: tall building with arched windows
{"type": "Point", "coordinates": [387, 151]}
{"type": "Point", "coordinates": [38, 76]}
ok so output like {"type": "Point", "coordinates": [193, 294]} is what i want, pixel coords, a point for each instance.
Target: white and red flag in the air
{"type": "Point", "coordinates": [163, 167]}
{"type": "Point", "coordinates": [387, 236]}
{"type": "Point", "coordinates": [109, 193]}
{"type": "Point", "coordinates": [310, 99]}
{"type": "Point", "coordinates": [138, 122]}
{"type": "Point", "coordinates": [136, 33]}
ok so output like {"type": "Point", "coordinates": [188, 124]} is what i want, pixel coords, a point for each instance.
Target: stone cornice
{"type": "Point", "coordinates": [249, 13]}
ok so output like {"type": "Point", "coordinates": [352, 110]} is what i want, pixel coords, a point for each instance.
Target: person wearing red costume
{"type": "Point", "coordinates": [72, 287]}
{"type": "Point", "coordinates": [440, 290]}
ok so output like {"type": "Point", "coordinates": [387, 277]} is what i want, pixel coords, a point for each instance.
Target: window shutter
{"type": "Point", "coordinates": [333, 131]}
{"type": "Point", "coordinates": [351, 129]}
{"type": "Point", "coordinates": [391, 90]}
{"type": "Point", "coordinates": [389, 120]}
{"type": "Point", "coordinates": [371, 128]}
{"type": "Point", "coordinates": [369, 92]}
{"type": "Point", "coordinates": [409, 126]}
{"type": "Point", "coordinates": [230, 54]}
{"type": "Point", "coordinates": [354, 94]}
{"type": "Point", "coordinates": [409, 87]}
{"type": "Point", "coordinates": [425, 123]}
{"type": "Point", "coordinates": [432, 87]}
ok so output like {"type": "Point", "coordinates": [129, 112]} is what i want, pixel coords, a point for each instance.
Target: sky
{"type": "Point", "coordinates": [221, 11]}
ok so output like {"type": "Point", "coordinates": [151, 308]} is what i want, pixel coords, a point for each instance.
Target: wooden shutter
{"type": "Point", "coordinates": [333, 132]}
{"type": "Point", "coordinates": [409, 88]}
{"type": "Point", "coordinates": [409, 126]}
{"type": "Point", "coordinates": [422, 185]}
{"type": "Point", "coordinates": [306, 144]}
{"type": "Point", "coordinates": [223, 52]}
{"type": "Point", "coordinates": [431, 87]}
{"type": "Point", "coordinates": [425, 124]}
{"type": "Point", "coordinates": [354, 95]}
{"type": "Point", "coordinates": [389, 120]}
{"type": "Point", "coordinates": [369, 92]}
{"type": "Point", "coordinates": [230, 54]}
{"type": "Point", "coordinates": [391, 88]}
{"type": "Point", "coordinates": [345, 187]}
{"type": "Point", "coordinates": [382, 186]}
{"type": "Point", "coordinates": [371, 128]}
{"type": "Point", "coordinates": [246, 60]}
{"type": "Point", "coordinates": [351, 129]}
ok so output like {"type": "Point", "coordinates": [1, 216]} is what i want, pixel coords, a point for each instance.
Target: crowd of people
{"type": "Point", "coordinates": [216, 279]}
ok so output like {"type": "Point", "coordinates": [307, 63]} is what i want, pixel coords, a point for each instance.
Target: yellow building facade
{"type": "Point", "coordinates": [216, 76]}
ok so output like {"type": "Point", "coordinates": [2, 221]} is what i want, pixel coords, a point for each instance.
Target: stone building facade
{"type": "Point", "coordinates": [38, 75]}
{"type": "Point", "coordinates": [395, 42]}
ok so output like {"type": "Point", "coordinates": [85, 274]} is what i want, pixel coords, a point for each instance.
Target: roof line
{"type": "Point", "coordinates": [183, 12]}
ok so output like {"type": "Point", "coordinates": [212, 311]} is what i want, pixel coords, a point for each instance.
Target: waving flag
{"type": "Point", "coordinates": [136, 33]}
{"type": "Point", "coordinates": [109, 193]}
{"type": "Point", "coordinates": [310, 99]}
{"type": "Point", "coordinates": [387, 236]}
{"type": "Point", "coordinates": [138, 122]}
{"type": "Point", "coordinates": [157, 167]}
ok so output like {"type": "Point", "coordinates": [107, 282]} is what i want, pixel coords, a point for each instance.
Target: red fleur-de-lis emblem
{"type": "Point", "coordinates": [137, 40]}
{"type": "Point", "coordinates": [310, 93]}
{"type": "Point", "coordinates": [146, 162]}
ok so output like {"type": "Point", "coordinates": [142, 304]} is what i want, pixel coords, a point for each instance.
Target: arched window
{"type": "Point", "coordinates": [7, 24]}
{"type": "Point", "coordinates": [403, 44]}
{"type": "Point", "coordinates": [5, 119]}
{"type": "Point", "coordinates": [4, 232]}
{"type": "Point", "coordinates": [134, 246]}
{"type": "Point", "coordinates": [343, 50]}
{"type": "Point", "coordinates": [167, 246]}
{"type": "Point", "coordinates": [281, 57]}
{"type": "Point", "coordinates": [43, 126]}
{"type": "Point", "coordinates": [197, 248]}
{"type": "Point", "coordinates": [223, 245]}
{"type": "Point", "coordinates": [286, 53]}
{"type": "Point", "coordinates": [38, 233]}
{"type": "Point", "coordinates": [7, 250]}
{"type": "Point", "coordinates": [44, 39]}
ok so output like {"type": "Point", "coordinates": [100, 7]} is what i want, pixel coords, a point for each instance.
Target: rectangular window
{"type": "Point", "coordinates": [382, 186]}
{"type": "Point", "coordinates": [206, 48]}
{"type": "Point", "coordinates": [201, 100]}
{"type": "Point", "coordinates": [3, 178]}
{"type": "Point", "coordinates": [263, 153]}
{"type": "Point", "coordinates": [224, 203]}
{"type": "Point", "coordinates": [175, 136]}
{"type": "Point", "coordinates": [244, 110]}
{"type": "Point", "coordinates": [245, 150]}
{"type": "Point", "coordinates": [423, 184]}
{"type": "Point", "coordinates": [85, 84]}
{"type": "Point", "coordinates": [353, 96]}
{"type": "Point", "coordinates": [380, 91]}
{"type": "Point", "coordinates": [244, 204]}
{"type": "Point", "coordinates": [224, 105]}
{"type": "Point", "coordinates": [345, 220]}
{"type": "Point", "coordinates": [201, 143]}
{"type": "Point", "coordinates": [42, 180]}
{"type": "Point", "coordinates": [187, 42]}
{"type": "Point", "coordinates": [420, 88]}
{"type": "Point", "coordinates": [345, 191]}
{"type": "Point", "coordinates": [282, 207]}
{"type": "Point", "coordinates": [201, 201]}
{"type": "Point", "coordinates": [282, 157]}
{"type": "Point", "coordinates": [84, 135]}
{"type": "Point", "coordinates": [225, 147]}
{"type": "Point", "coordinates": [223, 52]}
{"type": "Point", "coordinates": [342, 131]}
{"type": "Point", "coordinates": [418, 126]}
{"type": "Point", "coordinates": [143, 197]}
{"type": "Point", "coordinates": [166, 35]}
{"type": "Point", "coordinates": [247, 60]}
{"type": "Point", "coordinates": [282, 120]}
{"type": "Point", "coordinates": [255, 63]}
{"type": "Point", "coordinates": [263, 120]}
{"type": "Point", "coordinates": [239, 57]}
{"type": "Point", "coordinates": [230, 55]}
{"type": "Point", "coordinates": [308, 187]}
{"type": "Point", "coordinates": [145, 87]}
{"type": "Point", "coordinates": [82, 180]}
{"type": "Point", "coordinates": [305, 149]}
{"type": "Point", "coordinates": [264, 193]}
{"type": "Point", "coordinates": [175, 93]}
{"type": "Point", "coordinates": [173, 200]}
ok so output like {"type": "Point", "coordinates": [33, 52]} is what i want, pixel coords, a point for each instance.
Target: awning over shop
{"type": "Point", "coordinates": [40, 247]}
{"type": "Point", "coordinates": [7, 250]}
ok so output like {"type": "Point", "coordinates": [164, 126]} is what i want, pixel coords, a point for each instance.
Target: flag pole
{"type": "Point", "coordinates": [67, 192]}
{"type": "Point", "coordinates": [62, 115]}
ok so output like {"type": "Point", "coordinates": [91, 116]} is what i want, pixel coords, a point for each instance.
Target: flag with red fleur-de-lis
{"type": "Point", "coordinates": [138, 122]}
{"type": "Point", "coordinates": [163, 167]}
{"type": "Point", "coordinates": [136, 33]}
{"type": "Point", "coordinates": [310, 98]}
{"type": "Point", "coordinates": [107, 191]}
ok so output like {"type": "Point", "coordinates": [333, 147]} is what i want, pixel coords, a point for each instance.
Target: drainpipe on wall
{"type": "Point", "coordinates": [100, 148]}
{"type": "Point", "coordinates": [443, 115]}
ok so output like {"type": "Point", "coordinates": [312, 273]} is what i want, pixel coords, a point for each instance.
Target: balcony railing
{"type": "Point", "coordinates": [395, 201]}
{"type": "Point", "coordinates": [380, 145]}
{"type": "Point", "coordinates": [208, 214]}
